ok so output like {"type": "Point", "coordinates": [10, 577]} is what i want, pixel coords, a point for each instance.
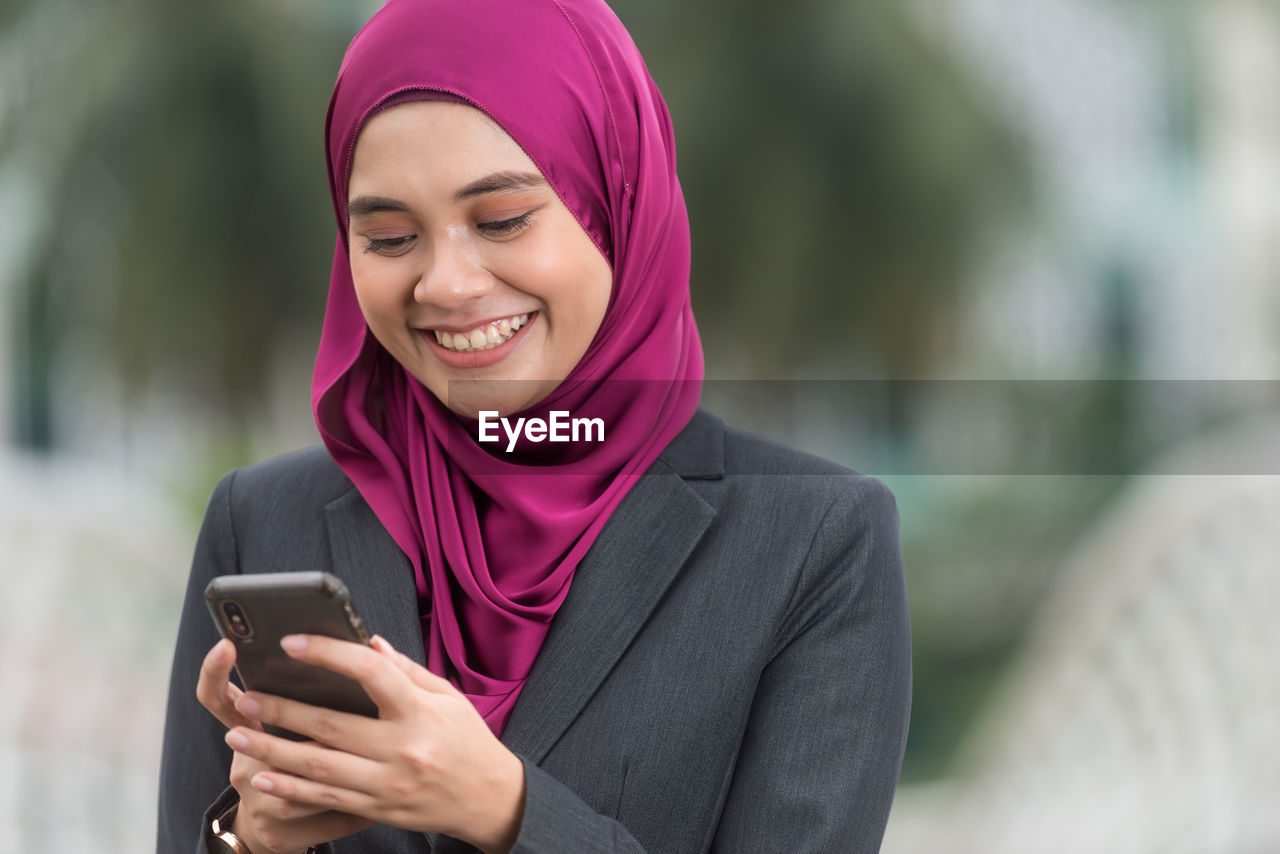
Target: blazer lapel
{"type": "Point", "coordinates": [386, 599]}
{"type": "Point", "coordinates": [639, 552]}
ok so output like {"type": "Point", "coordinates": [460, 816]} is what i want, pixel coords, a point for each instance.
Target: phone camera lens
{"type": "Point", "coordinates": [236, 620]}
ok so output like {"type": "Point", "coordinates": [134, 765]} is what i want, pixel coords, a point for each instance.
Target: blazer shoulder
{"type": "Point", "coordinates": [287, 493]}
{"type": "Point", "coordinates": [748, 453]}
{"type": "Point", "coordinates": [758, 472]}
{"type": "Point", "coordinates": [708, 449]}
{"type": "Point", "coordinates": [308, 476]}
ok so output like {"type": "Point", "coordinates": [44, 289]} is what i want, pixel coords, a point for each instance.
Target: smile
{"type": "Point", "coordinates": [493, 334]}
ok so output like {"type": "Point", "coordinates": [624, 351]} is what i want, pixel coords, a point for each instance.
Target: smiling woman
{"type": "Point", "coordinates": [667, 636]}
{"type": "Point", "coordinates": [469, 266]}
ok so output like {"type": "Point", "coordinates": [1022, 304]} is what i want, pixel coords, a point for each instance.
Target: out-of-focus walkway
{"type": "Point", "coordinates": [1144, 716]}
{"type": "Point", "coordinates": [91, 575]}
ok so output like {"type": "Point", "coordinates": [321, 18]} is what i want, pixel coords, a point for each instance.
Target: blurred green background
{"type": "Point", "coordinates": [878, 190]}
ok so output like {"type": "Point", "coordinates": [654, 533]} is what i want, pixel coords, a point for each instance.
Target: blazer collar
{"type": "Point", "coordinates": [615, 588]}
{"type": "Point", "coordinates": [697, 451]}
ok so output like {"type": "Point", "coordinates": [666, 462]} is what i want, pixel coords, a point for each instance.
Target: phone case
{"type": "Point", "coordinates": [256, 611]}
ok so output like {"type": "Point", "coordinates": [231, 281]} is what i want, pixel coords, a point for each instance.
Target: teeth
{"type": "Point", "coordinates": [481, 338]}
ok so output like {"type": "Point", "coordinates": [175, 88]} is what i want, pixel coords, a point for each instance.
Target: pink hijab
{"type": "Point", "coordinates": [495, 538]}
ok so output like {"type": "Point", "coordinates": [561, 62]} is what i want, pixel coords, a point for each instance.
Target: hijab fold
{"type": "Point", "coordinates": [495, 539]}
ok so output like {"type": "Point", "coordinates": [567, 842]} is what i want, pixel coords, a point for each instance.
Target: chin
{"type": "Point", "coordinates": [469, 397]}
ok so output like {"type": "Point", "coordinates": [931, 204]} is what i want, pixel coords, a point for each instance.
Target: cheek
{"type": "Point", "coordinates": [593, 287]}
{"type": "Point", "coordinates": [373, 280]}
{"type": "Point", "coordinates": [364, 294]}
{"type": "Point", "coordinates": [574, 281]}
{"type": "Point", "coordinates": [375, 296]}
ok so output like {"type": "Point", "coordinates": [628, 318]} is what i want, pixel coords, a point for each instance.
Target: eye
{"type": "Point", "coordinates": [506, 227]}
{"type": "Point", "coordinates": [390, 246]}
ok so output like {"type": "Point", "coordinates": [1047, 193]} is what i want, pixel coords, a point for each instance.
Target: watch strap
{"type": "Point", "coordinates": [221, 839]}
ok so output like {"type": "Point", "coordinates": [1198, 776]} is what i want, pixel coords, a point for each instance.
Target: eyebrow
{"type": "Point", "coordinates": [498, 182]}
{"type": "Point", "coordinates": [501, 182]}
{"type": "Point", "coordinates": [365, 205]}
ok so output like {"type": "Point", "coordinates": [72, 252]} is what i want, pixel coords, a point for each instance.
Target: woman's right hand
{"type": "Point", "coordinates": [267, 824]}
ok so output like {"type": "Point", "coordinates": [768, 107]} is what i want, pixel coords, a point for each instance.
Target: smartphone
{"type": "Point", "coordinates": [256, 611]}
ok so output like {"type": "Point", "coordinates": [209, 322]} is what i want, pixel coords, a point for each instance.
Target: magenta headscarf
{"type": "Point", "coordinates": [494, 538]}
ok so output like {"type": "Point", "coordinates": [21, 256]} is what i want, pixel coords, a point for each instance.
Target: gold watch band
{"type": "Point", "coordinates": [222, 840]}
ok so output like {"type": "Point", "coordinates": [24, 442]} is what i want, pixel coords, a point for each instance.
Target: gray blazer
{"type": "Point", "coordinates": [729, 672]}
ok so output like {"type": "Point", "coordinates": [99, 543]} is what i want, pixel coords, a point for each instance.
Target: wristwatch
{"type": "Point", "coordinates": [221, 839]}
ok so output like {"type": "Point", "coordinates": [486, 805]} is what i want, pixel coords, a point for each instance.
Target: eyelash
{"type": "Point", "coordinates": [505, 227]}
{"type": "Point", "coordinates": [500, 228]}
{"type": "Point", "coordinates": [376, 244]}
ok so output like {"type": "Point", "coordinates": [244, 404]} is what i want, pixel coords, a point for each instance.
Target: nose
{"type": "Point", "coordinates": [453, 274]}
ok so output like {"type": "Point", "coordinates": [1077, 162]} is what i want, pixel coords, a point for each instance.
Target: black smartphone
{"type": "Point", "coordinates": [256, 611]}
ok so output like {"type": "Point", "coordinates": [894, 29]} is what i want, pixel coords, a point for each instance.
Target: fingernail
{"type": "Point", "coordinates": [248, 706]}
{"type": "Point", "coordinates": [293, 643]}
{"type": "Point", "coordinates": [237, 740]}
{"type": "Point", "coordinates": [263, 784]}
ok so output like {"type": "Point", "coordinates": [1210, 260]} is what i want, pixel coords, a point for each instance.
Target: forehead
{"type": "Point", "coordinates": [438, 142]}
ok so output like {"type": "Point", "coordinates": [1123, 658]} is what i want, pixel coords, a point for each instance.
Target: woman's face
{"type": "Point", "coordinates": [466, 264]}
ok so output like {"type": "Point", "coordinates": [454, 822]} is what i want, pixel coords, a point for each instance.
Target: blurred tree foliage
{"type": "Point", "coordinates": [841, 172]}
{"type": "Point", "coordinates": [839, 167]}
{"type": "Point", "coordinates": [185, 224]}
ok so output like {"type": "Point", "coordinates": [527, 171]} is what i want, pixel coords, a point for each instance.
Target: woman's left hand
{"type": "Point", "coordinates": [429, 762]}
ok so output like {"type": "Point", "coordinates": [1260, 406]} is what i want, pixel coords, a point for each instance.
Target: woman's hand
{"type": "Point", "coordinates": [215, 690]}
{"type": "Point", "coordinates": [428, 763]}
{"type": "Point", "coordinates": [267, 824]}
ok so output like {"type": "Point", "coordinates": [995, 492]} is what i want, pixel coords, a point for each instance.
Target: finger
{"type": "Point", "coordinates": [306, 759]}
{"type": "Point", "coordinates": [269, 808]}
{"type": "Point", "coordinates": [384, 683]}
{"type": "Point", "coordinates": [419, 675]}
{"type": "Point", "coordinates": [383, 646]}
{"type": "Point", "coordinates": [324, 795]}
{"type": "Point", "coordinates": [340, 730]}
{"type": "Point", "coordinates": [214, 689]}
{"type": "Point", "coordinates": [261, 806]}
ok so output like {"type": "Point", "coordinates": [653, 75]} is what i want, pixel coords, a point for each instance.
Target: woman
{"type": "Point", "coordinates": [672, 637]}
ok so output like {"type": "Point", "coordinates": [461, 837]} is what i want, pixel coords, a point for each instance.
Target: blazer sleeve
{"type": "Point", "coordinates": [556, 820]}
{"type": "Point", "coordinates": [823, 745]}
{"type": "Point", "coordinates": [195, 762]}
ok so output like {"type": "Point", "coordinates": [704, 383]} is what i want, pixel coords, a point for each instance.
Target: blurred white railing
{"type": "Point", "coordinates": [1144, 716]}
{"type": "Point", "coordinates": [91, 573]}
